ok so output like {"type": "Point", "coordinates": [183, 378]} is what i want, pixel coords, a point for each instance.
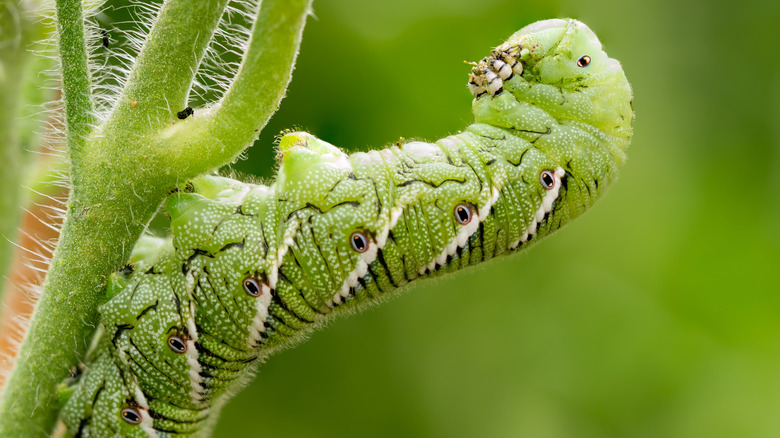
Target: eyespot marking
{"type": "Point", "coordinates": [583, 61]}
{"type": "Point", "coordinates": [252, 287]}
{"type": "Point", "coordinates": [359, 242]}
{"type": "Point", "coordinates": [463, 214]}
{"type": "Point", "coordinates": [547, 178]}
{"type": "Point", "coordinates": [131, 416]}
{"type": "Point", "coordinates": [177, 344]}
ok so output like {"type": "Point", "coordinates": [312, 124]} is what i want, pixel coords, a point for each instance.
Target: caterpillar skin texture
{"type": "Point", "coordinates": [250, 268]}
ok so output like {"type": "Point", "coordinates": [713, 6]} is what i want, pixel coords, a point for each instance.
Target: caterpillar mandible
{"type": "Point", "coordinates": [249, 269]}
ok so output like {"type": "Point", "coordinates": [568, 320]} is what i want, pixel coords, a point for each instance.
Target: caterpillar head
{"type": "Point", "coordinates": [560, 52]}
{"type": "Point", "coordinates": [564, 95]}
{"type": "Point", "coordinates": [566, 55]}
{"type": "Point", "coordinates": [559, 67]}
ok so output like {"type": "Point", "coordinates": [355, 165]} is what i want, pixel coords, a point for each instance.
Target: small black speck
{"type": "Point", "coordinates": [186, 112]}
{"type": "Point", "coordinates": [105, 37]}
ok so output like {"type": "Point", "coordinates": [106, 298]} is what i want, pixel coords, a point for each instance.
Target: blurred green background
{"type": "Point", "coordinates": [657, 314]}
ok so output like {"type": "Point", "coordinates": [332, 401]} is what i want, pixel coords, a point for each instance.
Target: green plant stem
{"type": "Point", "coordinates": [255, 90]}
{"type": "Point", "coordinates": [121, 172]}
{"type": "Point", "coordinates": [160, 81]}
{"type": "Point", "coordinates": [26, 406]}
{"type": "Point", "coordinates": [232, 125]}
{"type": "Point", "coordinates": [106, 214]}
{"type": "Point", "coordinates": [77, 89]}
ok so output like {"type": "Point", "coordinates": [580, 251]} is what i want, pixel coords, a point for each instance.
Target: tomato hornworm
{"type": "Point", "coordinates": [249, 269]}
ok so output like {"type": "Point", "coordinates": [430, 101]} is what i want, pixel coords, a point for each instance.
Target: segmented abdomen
{"type": "Point", "coordinates": [251, 268]}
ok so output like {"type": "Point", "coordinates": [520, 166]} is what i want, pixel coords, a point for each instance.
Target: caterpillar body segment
{"type": "Point", "coordinates": [250, 269]}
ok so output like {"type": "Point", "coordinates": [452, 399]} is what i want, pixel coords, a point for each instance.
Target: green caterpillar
{"type": "Point", "coordinates": [251, 268]}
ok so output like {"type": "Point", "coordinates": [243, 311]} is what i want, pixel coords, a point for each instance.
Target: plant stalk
{"type": "Point", "coordinates": [121, 171]}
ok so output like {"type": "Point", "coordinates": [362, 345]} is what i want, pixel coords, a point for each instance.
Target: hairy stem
{"type": "Point", "coordinates": [255, 91]}
{"type": "Point", "coordinates": [76, 86]}
{"type": "Point", "coordinates": [122, 170]}
{"type": "Point", "coordinates": [26, 406]}
{"type": "Point", "coordinates": [160, 81]}
{"type": "Point", "coordinates": [232, 125]}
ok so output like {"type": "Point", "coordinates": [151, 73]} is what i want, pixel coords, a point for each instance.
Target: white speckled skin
{"type": "Point", "coordinates": [250, 269]}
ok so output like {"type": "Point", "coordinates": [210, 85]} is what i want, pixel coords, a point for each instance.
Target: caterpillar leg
{"type": "Point", "coordinates": [483, 80]}
{"type": "Point", "coordinates": [489, 74]}
{"type": "Point", "coordinates": [506, 60]}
